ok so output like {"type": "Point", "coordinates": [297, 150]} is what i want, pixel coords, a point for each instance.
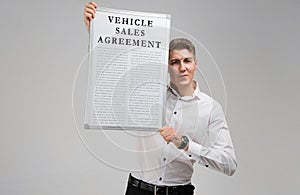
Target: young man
{"type": "Point", "coordinates": [196, 130]}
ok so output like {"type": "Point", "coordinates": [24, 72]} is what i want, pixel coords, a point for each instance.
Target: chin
{"type": "Point", "coordinates": [184, 83]}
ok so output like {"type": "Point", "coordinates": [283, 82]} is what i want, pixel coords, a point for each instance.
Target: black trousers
{"type": "Point", "coordinates": [134, 190]}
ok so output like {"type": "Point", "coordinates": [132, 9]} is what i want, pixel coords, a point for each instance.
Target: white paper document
{"type": "Point", "coordinates": [128, 61]}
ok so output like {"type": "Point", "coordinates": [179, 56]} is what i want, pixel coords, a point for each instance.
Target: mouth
{"type": "Point", "coordinates": [183, 76]}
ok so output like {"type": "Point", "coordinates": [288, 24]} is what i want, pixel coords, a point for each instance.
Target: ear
{"type": "Point", "coordinates": [196, 63]}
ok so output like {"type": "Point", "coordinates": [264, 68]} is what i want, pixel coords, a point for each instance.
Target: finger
{"type": "Point", "coordinates": [172, 135]}
{"type": "Point", "coordinates": [94, 4]}
{"type": "Point", "coordinates": [164, 131]}
{"type": "Point", "coordinates": [164, 128]}
{"type": "Point", "coordinates": [90, 11]}
{"type": "Point", "coordinates": [91, 5]}
{"type": "Point", "coordinates": [167, 135]}
{"type": "Point", "coordinates": [88, 16]}
{"type": "Point", "coordinates": [170, 138]}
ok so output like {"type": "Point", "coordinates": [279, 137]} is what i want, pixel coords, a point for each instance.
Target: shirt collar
{"type": "Point", "coordinates": [196, 93]}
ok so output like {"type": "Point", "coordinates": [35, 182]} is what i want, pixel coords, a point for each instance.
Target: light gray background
{"type": "Point", "coordinates": [255, 43]}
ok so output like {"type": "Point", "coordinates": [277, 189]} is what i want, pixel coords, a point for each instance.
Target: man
{"type": "Point", "coordinates": [196, 130]}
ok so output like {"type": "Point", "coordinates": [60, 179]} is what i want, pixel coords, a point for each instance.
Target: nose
{"type": "Point", "coordinates": [182, 67]}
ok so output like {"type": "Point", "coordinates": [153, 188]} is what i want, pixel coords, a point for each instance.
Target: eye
{"type": "Point", "coordinates": [173, 62]}
{"type": "Point", "coordinates": [188, 60]}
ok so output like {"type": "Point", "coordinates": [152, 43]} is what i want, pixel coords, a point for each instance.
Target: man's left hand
{"type": "Point", "coordinates": [169, 134]}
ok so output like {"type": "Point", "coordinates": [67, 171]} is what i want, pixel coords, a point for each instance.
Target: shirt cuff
{"type": "Point", "coordinates": [194, 148]}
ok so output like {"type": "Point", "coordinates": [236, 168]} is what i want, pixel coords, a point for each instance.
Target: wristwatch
{"type": "Point", "coordinates": [184, 142]}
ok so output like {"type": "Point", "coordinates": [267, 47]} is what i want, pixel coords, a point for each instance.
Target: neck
{"type": "Point", "coordinates": [184, 90]}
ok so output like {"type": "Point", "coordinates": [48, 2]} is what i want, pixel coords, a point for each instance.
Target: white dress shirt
{"type": "Point", "coordinates": [202, 120]}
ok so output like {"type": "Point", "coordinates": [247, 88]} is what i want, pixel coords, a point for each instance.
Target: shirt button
{"type": "Point", "coordinates": [160, 179]}
{"type": "Point", "coordinates": [206, 165]}
{"type": "Point", "coordinates": [190, 155]}
{"type": "Point", "coordinates": [175, 112]}
{"type": "Point", "coordinates": [164, 159]}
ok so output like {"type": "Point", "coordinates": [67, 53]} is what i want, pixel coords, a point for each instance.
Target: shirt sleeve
{"type": "Point", "coordinates": [217, 153]}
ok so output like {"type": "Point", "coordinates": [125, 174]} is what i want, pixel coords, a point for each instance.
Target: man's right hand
{"type": "Point", "coordinates": [89, 13]}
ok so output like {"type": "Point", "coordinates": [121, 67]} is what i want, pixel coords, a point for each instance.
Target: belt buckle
{"type": "Point", "coordinates": [157, 188]}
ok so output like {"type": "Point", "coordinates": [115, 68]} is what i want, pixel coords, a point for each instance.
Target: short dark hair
{"type": "Point", "coordinates": [182, 43]}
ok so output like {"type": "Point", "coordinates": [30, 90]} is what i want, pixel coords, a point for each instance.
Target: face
{"type": "Point", "coordinates": [182, 66]}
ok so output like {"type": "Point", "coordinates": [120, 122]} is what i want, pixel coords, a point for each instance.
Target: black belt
{"type": "Point", "coordinates": [160, 189]}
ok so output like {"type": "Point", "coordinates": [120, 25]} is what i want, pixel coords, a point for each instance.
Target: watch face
{"type": "Point", "coordinates": [184, 142]}
{"type": "Point", "coordinates": [185, 139]}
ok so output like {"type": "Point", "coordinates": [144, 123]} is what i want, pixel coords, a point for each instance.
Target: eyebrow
{"type": "Point", "coordinates": [188, 58]}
